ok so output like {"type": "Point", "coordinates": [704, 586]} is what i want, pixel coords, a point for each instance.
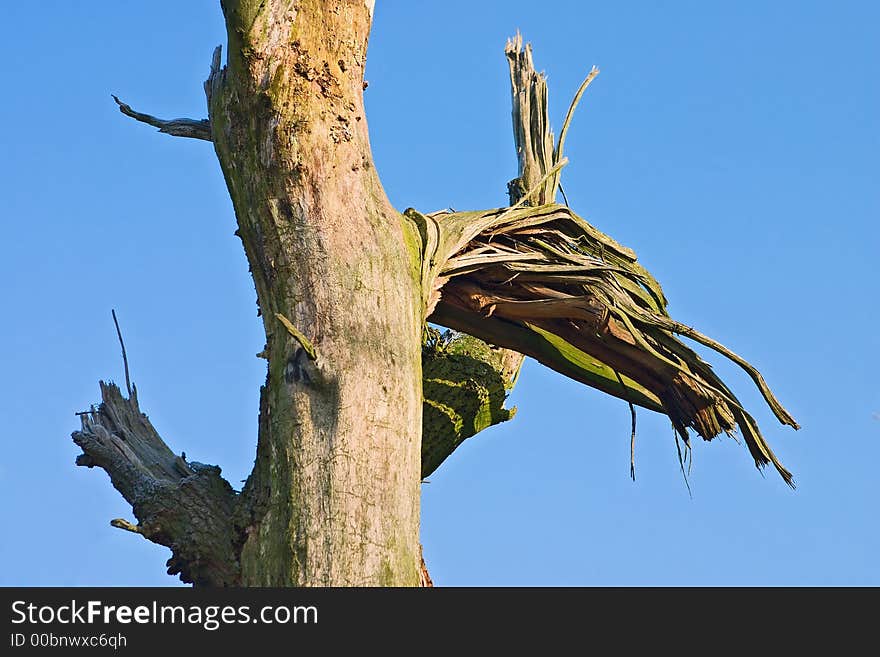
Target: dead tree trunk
{"type": "Point", "coordinates": [345, 284]}
{"type": "Point", "coordinates": [334, 495]}
{"type": "Point", "coordinates": [336, 487]}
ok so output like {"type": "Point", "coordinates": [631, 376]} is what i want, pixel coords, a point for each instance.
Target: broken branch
{"type": "Point", "coordinates": [188, 507]}
{"type": "Point", "coordinates": [192, 128]}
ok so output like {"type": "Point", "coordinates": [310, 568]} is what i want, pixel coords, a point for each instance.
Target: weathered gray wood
{"type": "Point", "coordinates": [344, 285]}
{"type": "Point", "coordinates": [531, 124]}
{"type": "Point", "coordinates": [192, 128]}
{"type": "Point", "coordinates": [182, 504]}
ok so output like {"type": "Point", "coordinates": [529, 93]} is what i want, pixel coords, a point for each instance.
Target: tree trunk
{"type": "Point", "coordinates": [344, 284]}
{"type": "Point", "coordinates": [336, 488]}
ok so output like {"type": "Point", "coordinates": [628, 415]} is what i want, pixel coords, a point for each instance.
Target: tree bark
{"type": "Point", "coordinates": [344, 284]}
{"type": "Point", "coordinates": [335, 494]}
{"type": "Point", "coordinates": [289, 131]}
{"type": "Point", "coordinates": [182, 504]}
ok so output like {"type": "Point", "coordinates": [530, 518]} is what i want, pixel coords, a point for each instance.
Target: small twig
{"type": "Point", "coordinates": [124, 357]}
{"type": "Point", "coordinates": [564, 197]}
{"type": "Point", "coordinates": [192, 128]}
{"type": "Point", "coordinates": [297, 334]}
{"type": "Point", "coordinates": [557, 155]}
{"type": "Point", "coordinates": [681, 463]}
{"type": "Point", "coordinates": [557, 151]}
{"type": "Point", "coordinates": [121, 523]}
{"type": "Point", "coordinates": [632, 438]}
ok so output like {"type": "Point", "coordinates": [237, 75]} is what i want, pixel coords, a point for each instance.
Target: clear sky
{"type": "Point", "coordinates": [733, 145]}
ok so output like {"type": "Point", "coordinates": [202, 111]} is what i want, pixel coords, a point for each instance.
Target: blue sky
{"type": "Point", "coordinates": [733, 145]}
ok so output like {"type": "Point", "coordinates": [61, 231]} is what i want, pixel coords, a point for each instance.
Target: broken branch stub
{"type": "Point", "coordinates": [191, 128]}
{"type": "Point", "coordinates": [466, 383]}
{"type": "Point", "coordinates": [537, 278]}
{"type": "Point", "coordinates": [544, 282]}
{"type": "Point", "coordinates": [185, 506]}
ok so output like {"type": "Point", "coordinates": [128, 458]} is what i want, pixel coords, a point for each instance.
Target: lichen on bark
{"type": "Point", "coordinates": [465, 385]}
